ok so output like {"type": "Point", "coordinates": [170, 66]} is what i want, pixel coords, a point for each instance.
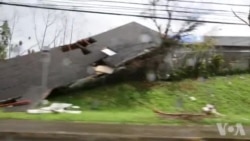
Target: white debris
{"type": "Point", "coordinates": [75, 107]}
{"type": "Point", "coordinates": [72, 112]}
{"type": "Point", "coordinates": [205, 109]}
{"type": "Point", "coordinates": [210, 106]}
{"type": "Point", "coordinates": [38, 111]}
{"type": "Point", "coordinates": [109, 52]}
{"type": "Point", "coordinates": [55, 108]}
{"type": "Point", "coordinates": [104, 69]}
{"type": "Point", "coordinates": [210, 109]}
{"type": "Point", "coordinates": [44, 102]}
{"type": "Point", "coordinates": [192, 98]}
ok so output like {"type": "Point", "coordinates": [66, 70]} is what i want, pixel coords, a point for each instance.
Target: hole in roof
{"type": "Point", "coordinates": [99, 62]}
{"type": "Point", "coordinates": [85, 51]}
{"type": "Point", "coordinates": [81, 44]}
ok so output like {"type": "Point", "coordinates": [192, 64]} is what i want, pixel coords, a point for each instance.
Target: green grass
{"type": "Point", "coordinates": [122, 103]}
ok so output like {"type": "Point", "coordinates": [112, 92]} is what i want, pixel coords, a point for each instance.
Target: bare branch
{"type": "Point", "coordinates": [170, 20]}
{"type": "Point", "coordinates": [71, 32]}
{"type": "Point", "coordinates": [154, 2]}
{"type": "Point", "coordinates": [47, 25]}
{"type": "Point", "coordinates": [15, 20]}
{"type": "Point", "coordinates": [240, 18]}
{"type": "Point", "coordinates": [56, 37]}
{"type": "Point", "coordinates": [156, 24]}
{"type": "Point", "coordinates": [65, 29]}
{"type": "Point", "coordinates": [35, 29]}
{"type": "Point", "coordinates": [188, 27]}
{"type": "Point", "coordinates": [52, 21]}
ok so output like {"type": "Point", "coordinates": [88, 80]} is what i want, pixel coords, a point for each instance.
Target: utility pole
{"type": "Point", "coordinates": [45, 67]}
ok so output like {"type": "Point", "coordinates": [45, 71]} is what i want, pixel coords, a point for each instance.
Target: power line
{"type": "Point", "coordinates": [136, 9]}
{"type": "Point", "coordinates": [212, 10]}
{"type": "Point", "coordinates": [136, 3]}
{"type": "Point", "coordinates": [175, 14]}
{"type": "Point", "coordinates": [118, 14]}
{"type": "Point", "coordinates": [206, 2]}
{"type": "Point", "coordinates": [133, 3]}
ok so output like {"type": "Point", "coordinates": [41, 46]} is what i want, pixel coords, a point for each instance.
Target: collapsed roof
{"type": "Point", "coordinates": [24, 76]}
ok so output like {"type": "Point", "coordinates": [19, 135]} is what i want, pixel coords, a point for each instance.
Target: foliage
{"type": "Point", "coordinates": [207, 63]}
{"type": "Point", "coordinates": [131, 103]}
{"type": "Point", "coordinates": [4, 39]}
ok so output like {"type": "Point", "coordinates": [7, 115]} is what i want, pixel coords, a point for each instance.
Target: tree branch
{"type": "Point", "coordinates": [65, 29]}
{"type": "Point", "coordinates": [170, 20]}
{"type": "Point", "coordinates": [48, 24]}
{"type": "Point", "coordinates": [240, 18]}
{"type": "Point", "coordinates": [15, 19]}
{"type": "Point", "coordinates": [55, 38]}
{"type": "Point", "coordinates": [35, 29]}
{"type": "Point", "coordinates": [71, 34]}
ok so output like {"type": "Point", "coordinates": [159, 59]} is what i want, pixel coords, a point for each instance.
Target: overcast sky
{"type": "Point", "coordinates": [86, 24]}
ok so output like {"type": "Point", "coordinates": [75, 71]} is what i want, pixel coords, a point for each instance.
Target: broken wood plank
{"type": "Point", "coordinates": [17, 103]}
{"type": "Point", "coordinates": [104, 69]}
{"type": "Point", "coordinates": [10, 100]}
{"type": "Point", "coordinates": [182, 116]}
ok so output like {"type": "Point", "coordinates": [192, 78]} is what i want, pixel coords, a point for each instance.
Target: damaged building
{"type": "Point", "coordinates": [32, 77]}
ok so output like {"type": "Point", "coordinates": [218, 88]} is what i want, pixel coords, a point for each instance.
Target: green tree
{"type": "Point", "coordinates": [4, 39]}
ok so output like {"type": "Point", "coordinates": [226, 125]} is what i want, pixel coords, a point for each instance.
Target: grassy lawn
{"type": "Point", "coordinates": [131, 102]}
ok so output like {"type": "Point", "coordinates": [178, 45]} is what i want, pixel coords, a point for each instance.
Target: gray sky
{"type": "Point", "coordinates": [85, 24]}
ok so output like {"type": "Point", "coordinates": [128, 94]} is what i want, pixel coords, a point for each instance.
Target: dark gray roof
{"type": "Point", "coordinates": [22, 75]}
{"type": "Point", "coordinates": [231, 41]}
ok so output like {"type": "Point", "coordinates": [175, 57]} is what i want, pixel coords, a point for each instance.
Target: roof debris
{"type": "Point", "coordinates": [109, 52]}
{"type": "Point", "coordinates": [56, 108]}
{"type": "Point", "coordinates": [192, 98]}
{"type": "Point", "coordinates": [104, 69]}
{"type": "Point", "coordinates": [210, 110]}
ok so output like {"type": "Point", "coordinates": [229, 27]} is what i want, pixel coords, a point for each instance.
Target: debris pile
{"type": "Point", "coordinates": [56, 108]}
{"type": "Point", "coordinates": [210, 110]}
